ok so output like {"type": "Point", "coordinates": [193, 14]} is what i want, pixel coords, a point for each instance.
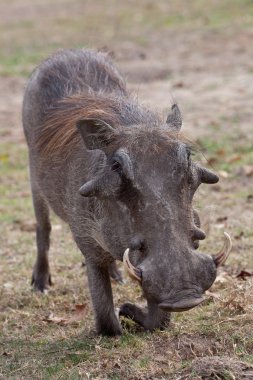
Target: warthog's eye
{"type": "Point", "coordinates": [116, 167]}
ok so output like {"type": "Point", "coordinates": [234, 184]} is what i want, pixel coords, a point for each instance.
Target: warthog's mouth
{"type": "Point", "coordinates": [182, 305]}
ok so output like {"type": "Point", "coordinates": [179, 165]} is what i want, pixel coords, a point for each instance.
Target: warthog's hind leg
{"type": "Point", "coordinates": [41, 277]}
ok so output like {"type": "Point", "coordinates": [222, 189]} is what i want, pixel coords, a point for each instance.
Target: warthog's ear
{"type": "Point", "coordinates": [95, 132]}
{"type": "Point", "coordinates": [174, 119]}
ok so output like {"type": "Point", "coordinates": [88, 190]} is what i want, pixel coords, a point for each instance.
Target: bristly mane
{"type": "Point", "coordinates": [59, 135]}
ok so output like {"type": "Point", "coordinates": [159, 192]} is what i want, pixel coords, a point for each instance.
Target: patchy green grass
{"type": "Point", "coordinates": [229, 153]}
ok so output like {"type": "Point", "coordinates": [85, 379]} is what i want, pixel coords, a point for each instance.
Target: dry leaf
{"type": "Point", "coordinates": [212, 161]}
{"type": "Point", "coordinates": [221, 219]}
{"type": "Point", "coordinates": [53, 319]}
{"type": "Point", "coordinates": [239, 236]}
{"type": "Point", "coordinates": [79, 312]}
{"type": "Point", "coordinates": [235, 158]}
{"type": "Point", "coordinates": [6, 353]}
{"type": "Point", "coordinates": [179, 84]}
{"type": "Point", "coordinates": [79, 308]}
{"type": "Point", "coordinates": [221, 152]}
{"type": "Point", "coordinates": [244, 274]}
{"type": "Point", "coordinates": [28, 227]}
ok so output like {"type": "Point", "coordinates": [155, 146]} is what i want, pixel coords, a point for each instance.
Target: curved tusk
{"type": "Point", "coordinates": [131, 270]}
{"type": "Point", "coordinates": [222, 256]}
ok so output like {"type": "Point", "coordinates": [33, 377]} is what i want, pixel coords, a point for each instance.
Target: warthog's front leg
{"type": "Point", "coordinates": [150, 318]}
{"type": "Point", "coordinates": [101, 294]}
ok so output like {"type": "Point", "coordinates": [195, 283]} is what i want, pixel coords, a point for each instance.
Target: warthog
{"type": "Point", "coordinates": [123, 180]}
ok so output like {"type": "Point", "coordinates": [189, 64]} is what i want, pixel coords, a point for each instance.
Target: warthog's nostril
{"type": "Point", "coordinates": [137, 243]}
{"type": "Point", "coordinates": [195, 244]}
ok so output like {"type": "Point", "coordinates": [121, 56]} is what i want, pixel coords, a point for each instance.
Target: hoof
{"type": "Point", "coordinates": [127, 310]}
{"type": "Point", "coordinates": [109, 326]}
{"type": "Point", "coordinates": [109, 330]}
{"type": "Point", "coordinates": [41, 281]}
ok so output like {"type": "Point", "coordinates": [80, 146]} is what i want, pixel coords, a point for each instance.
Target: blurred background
{"type": "Point", "coordinates": [199, 53]}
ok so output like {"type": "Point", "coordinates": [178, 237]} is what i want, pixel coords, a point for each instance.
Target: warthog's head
{"type": "Point", "coordinates": [146, 181]}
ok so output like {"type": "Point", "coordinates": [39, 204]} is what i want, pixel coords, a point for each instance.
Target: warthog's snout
{"type": "Point", "coordinates": [185, 289]}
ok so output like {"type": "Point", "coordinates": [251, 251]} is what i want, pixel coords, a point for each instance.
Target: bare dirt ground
{"type": "Point", "coordinates": [202, 57]}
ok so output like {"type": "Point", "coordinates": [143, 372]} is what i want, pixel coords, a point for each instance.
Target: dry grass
{"type": "Point", "coordinates": [43, 337]}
